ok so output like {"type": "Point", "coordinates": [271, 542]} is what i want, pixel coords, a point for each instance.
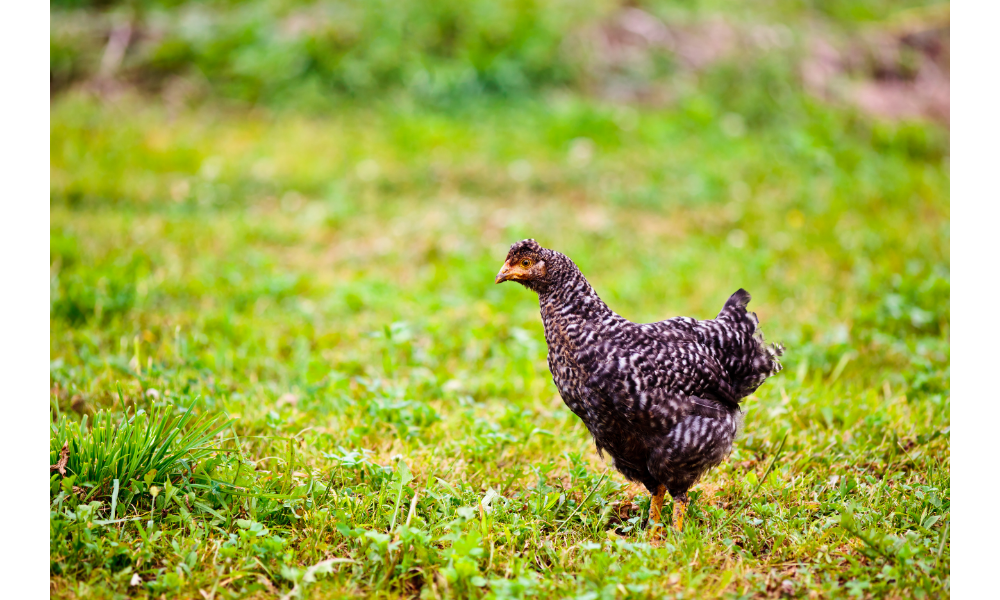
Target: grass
{"type": "Point", "coordinates": [296, 311]}
{"type": "Point", "coordinates": [146, 447]}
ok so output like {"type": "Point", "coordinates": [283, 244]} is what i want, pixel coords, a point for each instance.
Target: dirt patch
{"type": "Point", "coordinates": [896, 69]}
{"type": "Point", "coordinates": [899, 71]}
{"type": "Point", "coordinates": [634, 56]}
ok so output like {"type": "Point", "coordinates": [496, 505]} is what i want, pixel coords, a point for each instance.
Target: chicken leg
{"type": "Point", "coordinates": [680, 509]}
{"type": "Point", "coordinates": [656, 506]}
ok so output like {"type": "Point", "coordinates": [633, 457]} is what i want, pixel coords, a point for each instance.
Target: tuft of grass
{"type": "Point", "coordinates": [134, 451]}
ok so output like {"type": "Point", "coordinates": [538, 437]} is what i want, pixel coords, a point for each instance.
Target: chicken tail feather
{"type": "Point", "coordinates": [763, 357]}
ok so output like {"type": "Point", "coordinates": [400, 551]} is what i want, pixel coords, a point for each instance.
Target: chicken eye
{"type": "Point", "coordinates": [526, 263]}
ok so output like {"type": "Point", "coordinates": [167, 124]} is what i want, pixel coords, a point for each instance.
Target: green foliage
{"type": "Point", "coordinates": [276, 51]}
{"type": "Point", "coordinates": [137, 451]}
{"type": "Point", "coordinates": [96, 291]}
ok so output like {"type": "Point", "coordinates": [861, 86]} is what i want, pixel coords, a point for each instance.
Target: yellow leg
{"type": "Point", "coordinates": [656, 506]}
{"type": "Point", "coordinates": [680, 509]}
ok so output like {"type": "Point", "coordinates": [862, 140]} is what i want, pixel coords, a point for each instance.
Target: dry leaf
{"type": "Point", "coordinates": [63, 458]}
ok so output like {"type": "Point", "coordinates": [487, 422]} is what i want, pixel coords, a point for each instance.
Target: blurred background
{"type": "Point", "coordinates": [295, 175]}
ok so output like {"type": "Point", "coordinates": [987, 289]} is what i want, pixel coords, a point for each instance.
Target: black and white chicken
{"type": "Point", "coordinates": [662, 399]}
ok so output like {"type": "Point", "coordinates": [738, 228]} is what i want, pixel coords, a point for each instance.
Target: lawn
{"type": "Point", "coordinates": [281, 366]}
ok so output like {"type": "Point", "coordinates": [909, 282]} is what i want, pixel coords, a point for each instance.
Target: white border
{"type": "Point", "coordinates": [975, 214]}
{"type": "Point", "coordinates": [24, 302]}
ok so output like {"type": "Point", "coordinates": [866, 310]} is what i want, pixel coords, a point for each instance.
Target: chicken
{"type": "Point", "coordinates": [662, 399]}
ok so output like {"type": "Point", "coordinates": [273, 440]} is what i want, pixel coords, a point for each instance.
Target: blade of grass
{"type": "Point", "coordinates": [585, 500]}
{"type": "Point", "coordinates": [760, 482]}
{"type": "Point", "coordinates": [944, 538]}
{"type": "Point", "coordinates": [114, 500]}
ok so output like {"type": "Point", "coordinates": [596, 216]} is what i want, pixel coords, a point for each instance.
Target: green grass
{"type": "Point", "coordinates": [143, 447]}
{"type": "Point", "coordinates": [291, 317]}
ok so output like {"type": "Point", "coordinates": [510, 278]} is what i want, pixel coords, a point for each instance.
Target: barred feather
{"type": "Point", "coordinates": [662, 399]}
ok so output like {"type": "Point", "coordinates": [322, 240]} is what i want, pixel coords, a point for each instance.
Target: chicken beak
{"type": "Point", "coordinates": [504, 273]}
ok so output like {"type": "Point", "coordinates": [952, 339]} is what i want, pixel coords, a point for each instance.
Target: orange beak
{"type": "Point", "coordinates": [515, 273]}
{"type": "Point", "coordinates": [505, 273]}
